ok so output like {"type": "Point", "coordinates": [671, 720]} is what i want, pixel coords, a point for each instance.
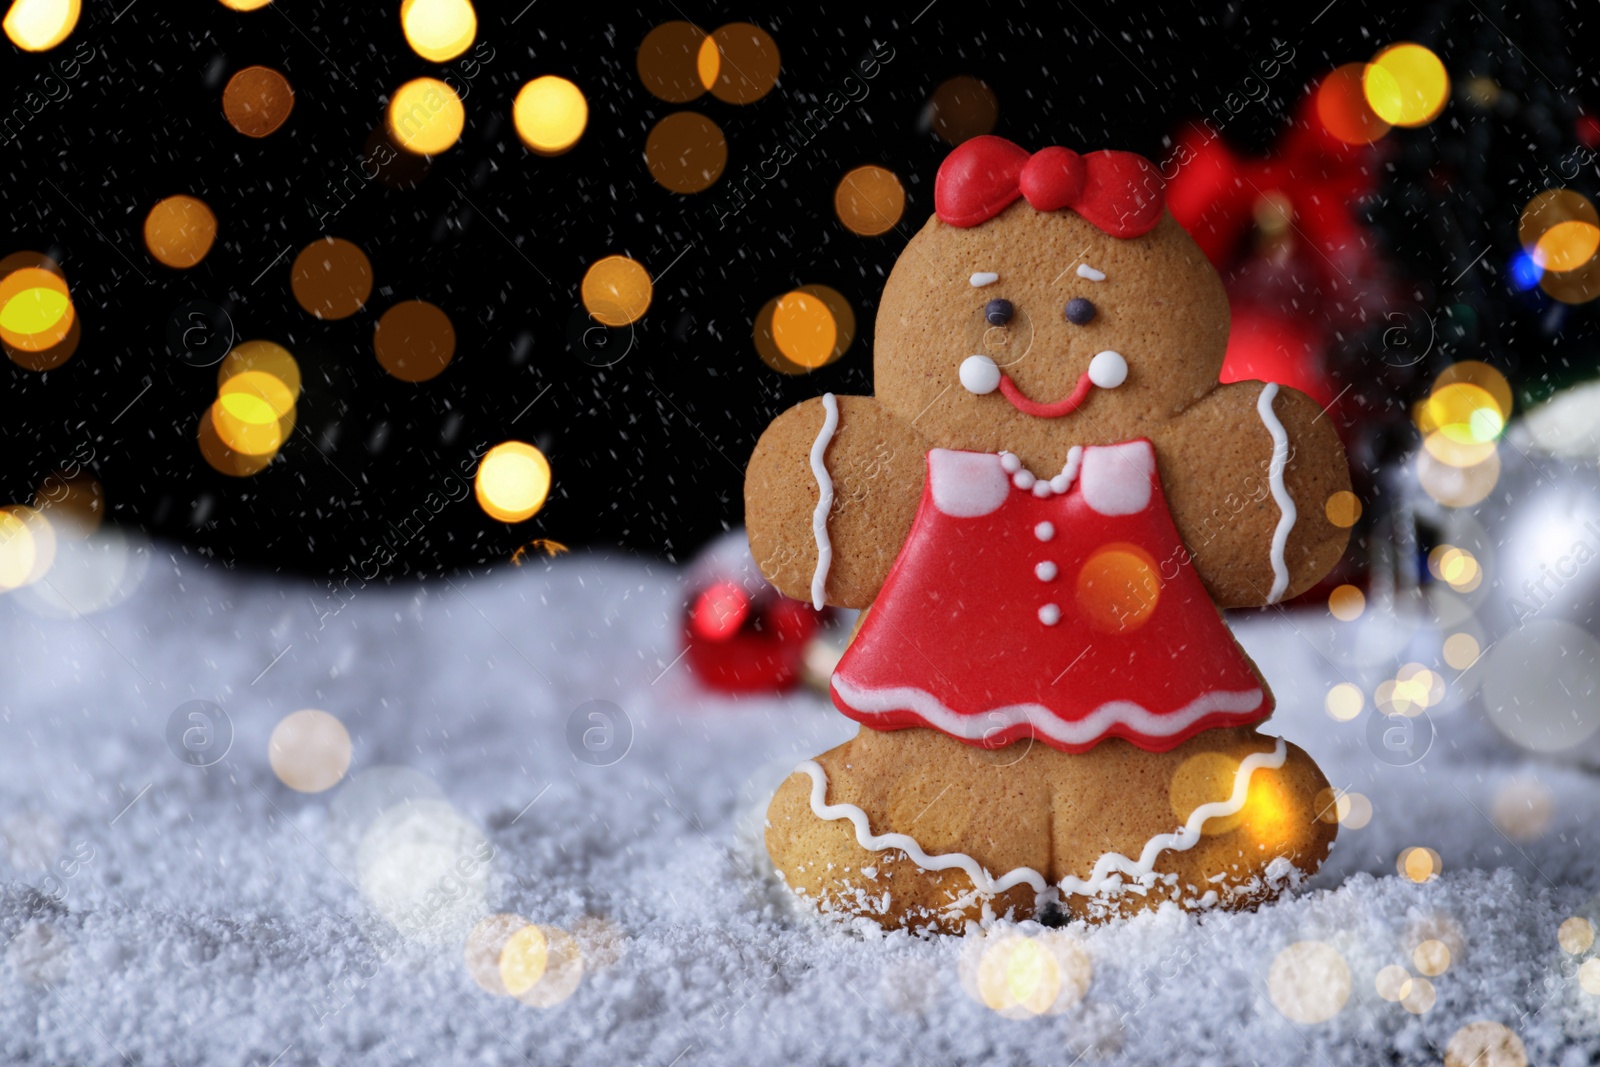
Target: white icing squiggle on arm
{"type": "Point", "coordinates": [1286, 509]}
{"type": "Point", "coordinates": [819, 517]}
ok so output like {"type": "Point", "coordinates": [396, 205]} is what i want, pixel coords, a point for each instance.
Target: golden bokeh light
{"type": "Point", "coordinates": [261, 356]}
{"type": "Point", "coordinates": [1345, 701]}
{"type": "Point", "coordinates": [869, 200]}
{"type": "Point", "coordinates": [1350, 810]}
{"type": "Point", "coordinates": [257, 101]}
{"type": "Point", "coordinates": [27, 546]}
{"type": "Point", "coordinates": [1560, 230]}
{"type": "Point", "coordinates": [309, 751]}
{"type": "Point", "coordinates": [425, 117]}
{"type": "Point", "coordinates": [686, 152]}
{"type": "Point", "coordinates": [1575, 935]}
{"type": "Point", "coordinates": [1549, 209]}
{"type": "Point", "coordinates": [802, 327]}
{"type": "Point", "coordinates": [1431, 958]}
{"type": "Point", "coordinates": [40, 25]}
{"type": "Point", "coordinates": [1406, 85]}
{"type": "Point", "coordinates": [1392, 982]}
{"type": "Point", "coordinates": [1574, 286]}
{"type": "Point", "coordinates": [1522, 809]}
{"type": "Point", "coordinates": [1346, 603]}
{"type": "Point", "coordinates": [1419, 864]}
{"type": "Point", "coordinates": [962, 108]}
{"type": "Point", "coordinates": [1485, 1043]}
{"type": "Point", "coordinates": [179, 231]}
{"type": "Point", "coordinates": [562, 969]}
{"type": "Point", "coordinates": [1309, 982]}
{"type": "Point", "coordinates": [512, 482]}
{"type": "Point", "coordinates": [1567, 245]}
{"type": "Point", "coordinates": [1461, 651]}
{"type": "Point", "coordinates": [484, 951]}
{"type": "Point", "coordinates": [1482, 375]}
{"type": "Point", "coordinates": [36, 312]}
{"type": "Point", "coordinates": [1454, 482]}
{"type": "Point", "coordinates": [1420, 997]}
{"type": "Point", "coordinates": [1343, 509]}
{"type": "Point", "coordinates": [223, 458]}
{"type": "Point", "coordinates": [414, 341]}
{"type": "Point", "coordinates": [1204, 778]}
{"type": "Point", "coordinates": [616, 290]}
{"type": "Point", "coordinates": [1413, 689]}
{"type": "Point", "coordinates": [746, 65]}
{"type": "Point", "coordinates": [331, 278]}
{"type": "Point", "coordinates": [1021, 977]}
{"type": "Point", "coordinates": [1118, 588]}
{"type": "Point", "coordinates": [1456, 567]}
{"type": "Point", "coordinates": [438, 30]}
{"type": "Point", "coordinates": [550, 114]}
{"type": "Point", "coordinates": [1589, 976]}
{"type": "Point", "coordinates": [1464, 412]}
{"type": "Point", "coordinates": [670, 62]}
{"type": "Point", "coordinates": [245, 5]}
{"type": "Point", "coordinates": [1342, 107]}
{"type": "Point", "coordinates": [246, 421]}
{"type": "Point", "coordinates": [523, 960]}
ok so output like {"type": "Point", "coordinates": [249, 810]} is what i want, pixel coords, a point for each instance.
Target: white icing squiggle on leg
{"type": "Point", "coordinates": [1108, 870]}
{"type": "Point", "coordinates": [1280, 494]}
{"type": "Point", "coordinates": [819, 517]}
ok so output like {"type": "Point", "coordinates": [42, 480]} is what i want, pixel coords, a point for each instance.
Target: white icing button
{"type": "Point", "coordinates": [1061, 483]}
{"type": "Point", "coordinates": [1049, 614]}
{"type": "Point", "coordinates": [1044, 531]}
{"type": "Point", "coordinates": [1010, 462]}
{"type": "Point", "coordinates": [1041, 488]}
{"type": "Point", "coordinates": [1023, 479]}
{"type": "Point", "coordinates": [983, 278]}
{"type": "Point", "coordinates": [1108, 369]}
{"type": "Point", "coordinates": [1084, 271]}
{"type": "Point", "coordinates": [1045, 571]}
{"type": "Point", "coordinates": [979, 375]}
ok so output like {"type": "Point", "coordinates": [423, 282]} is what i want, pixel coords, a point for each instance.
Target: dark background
{"type": "Point", "coordinates": [648, 453]}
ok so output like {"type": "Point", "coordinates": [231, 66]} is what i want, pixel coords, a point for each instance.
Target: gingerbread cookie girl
{"type": "Point", "coordinates": [1040, 512]}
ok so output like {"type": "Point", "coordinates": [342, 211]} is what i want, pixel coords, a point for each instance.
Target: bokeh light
{"type": "Point", "coordinates": [523, 959]}
{"type": "Point", "coordinates": [1419, 864]}
{"type": "Point", "coordinates": [179, 231]}
{"type": "Point", "coordinates": [962, 108]}
{"type": "Point", "coordinates": [1522, 809]}
{"type": "Point", "coordinates": [1575, 935]}
{"type": "Point", "coordinates": [222, 457]}
{"type": "Point", "coordinates": [1567, 245]}
{"type": "Point", "coordinates": [512, 482]}
{"type": "Point", "coordinates": [1525, 272]}
{"type": "Point", "coordinates": [1539, 685]}
{"type": "Point", "coordinates": [545, 961]}
{"type": "Point", "coordinates": [331, 278]}
{"type": "Point", "coordinates": [257, 101]}
{"type": "Point", "coordinates": [1345, 701]}
{"type": "Point", "coordinates": [804, 329]}
{"type": "Point", "coordinates": [1485, 1043]}
{"type": "Point", "coordinates": [1454, 482]}
{"type": "Point", "coordinates": [1549, 209]}
{"type": "Point", "coordinates": [1350, 810]}
{"type": "Point", "coordinates": [424, 867]}
{"type": "Point", "coordinates": [1346, 603]}
{"type": "Point", "coordinates": [309, 750]}
{"type": "Point", "coordinates": [1343, 509]}
{"type": "Point", "coordinates": [484, 951]}
{"type": "Point", "coordinates": [1392, 982]}
{"type": "Point", "coordinates": [36, 312]}
{"type": "Point", "coordinates": [1406, 85]}
{"type": "Point", "coordinates": [869, 200]}
{"type": "Point", "coordinates": [1589, 976]}
{"type": "Point", "coordinates": [40, 25]}
{"type": "Point", "coordinates": [1021, 976]}
{"type": "Point", "coordinates": [1457, 567]}
{"type": "Point", "coordinates": [686, 152]}
{"type": "Point", "coordinates": [747, 63]}
{"type": "Point", "coordinates": [1412, 690]}
{"type": "Point", "coordinates": [1461, 650]}
{"type": "Point", "coordinates": [1204, 778]}
{"type": "Point", "coordinates": [27, 546]}
{"type": "Point", "coordinates": [414, 341]}
{"type": "Point", "coordinates": [1431, 957]}
{"type": "Point", "coordinates": [1309, 982]}
{"type": "Point", "coordinates": [438, 30]}
{"type": "Point", "coordinates": [669, 62]}
{"type": "Point", "coordinates": [616, 290]}
{"type": "Point", "coordinates": [550, 114]}
{"type": "Point", "coordinates": [245, 5]}
{"type": "Point", "coordinates": [425, 117]}
{"type": "Point", "coordinates": [1342, 107]}
{"type": "Point", "coordinates": [1420, 997]}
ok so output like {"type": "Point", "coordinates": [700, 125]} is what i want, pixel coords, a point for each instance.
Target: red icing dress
{"type": "Point", "coordinates": [1064, 609]}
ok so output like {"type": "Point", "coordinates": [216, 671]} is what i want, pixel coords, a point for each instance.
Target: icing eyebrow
{"type": "Point", "coordinates": [1086, 271]}
{"type": "Point", "coordinates": [982, 278]}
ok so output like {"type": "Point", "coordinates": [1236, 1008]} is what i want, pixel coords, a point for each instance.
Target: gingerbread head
{"type": "Point", "coordinates": [1050, 495]}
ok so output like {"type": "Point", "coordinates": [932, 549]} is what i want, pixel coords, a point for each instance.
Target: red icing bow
{"type": "Point", "coordinates": [1120, 192]}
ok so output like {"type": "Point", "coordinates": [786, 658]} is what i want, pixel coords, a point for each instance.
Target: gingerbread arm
{"type": "Point", "coordinates": [875, 464]}
{"type": "Point", "coordinates": [1227, 463]}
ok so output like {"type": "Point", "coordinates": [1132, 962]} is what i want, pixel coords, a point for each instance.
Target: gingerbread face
{"type": "Point", "coordinates": [987, 334]}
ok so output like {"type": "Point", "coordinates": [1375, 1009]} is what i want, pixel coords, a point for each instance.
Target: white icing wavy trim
{"type": "Point", "coordinates": [1045, 722]}
{"type": "Point", "coordinates": [1108, 869]}
{"type": "Point", "coordinates": [819, 517]}
{"type": "Point", "coordinates": [1286, 509]}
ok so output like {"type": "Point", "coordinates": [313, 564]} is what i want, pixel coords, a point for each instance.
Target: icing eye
{"type": "Point", "coordinates": [1080, 312]}
{"type": "Point", "coordinates": [1106, 370]}
{"type": "Point", "coordinates": [998, 312]}
{"type": "Point", "coordinates": [979, 375]}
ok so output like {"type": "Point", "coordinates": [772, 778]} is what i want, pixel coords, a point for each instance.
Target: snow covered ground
{"type": "Point", "coordinates": [159, 912]}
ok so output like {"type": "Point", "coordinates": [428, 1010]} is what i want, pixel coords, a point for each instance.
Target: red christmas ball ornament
{"type": "Point", "coordinates": [740, 634]}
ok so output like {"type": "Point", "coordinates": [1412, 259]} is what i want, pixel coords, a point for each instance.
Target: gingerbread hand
{"type": "Point", "coordinates": [871, 464]}
{"type": "Point", "coordinates": [1248, 471]}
